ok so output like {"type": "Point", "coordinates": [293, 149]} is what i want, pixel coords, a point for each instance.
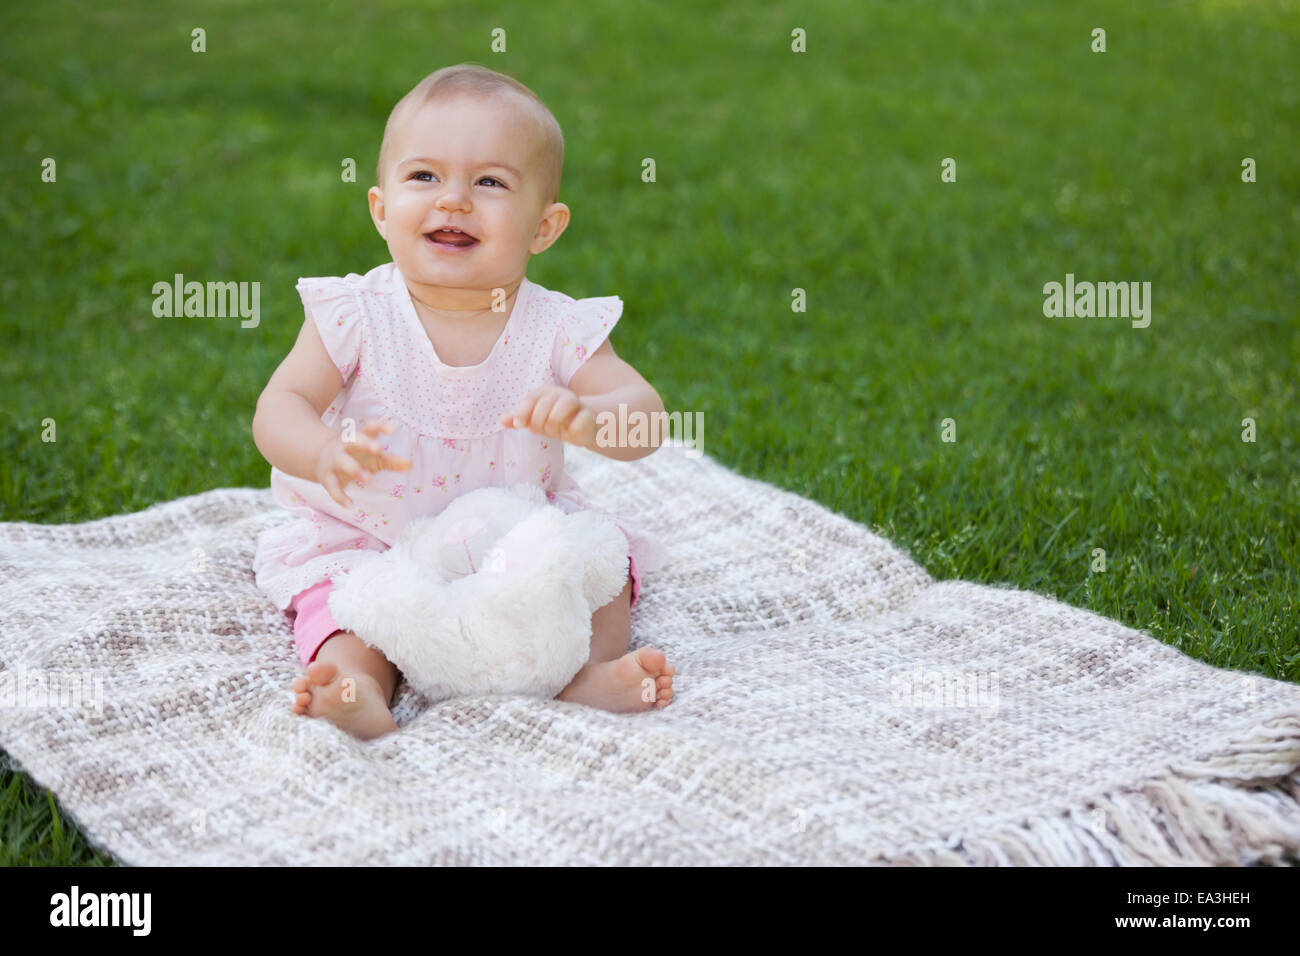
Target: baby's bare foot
{"type": "Point", "coordinates": [639, 680]}
{"type": "Point", "coordinates": [356, 705]}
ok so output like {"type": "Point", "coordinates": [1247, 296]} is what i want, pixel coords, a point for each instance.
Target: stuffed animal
{"type": "Point", "coordinates": [493, 595]}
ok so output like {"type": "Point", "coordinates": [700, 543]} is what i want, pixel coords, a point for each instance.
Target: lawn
{"type": "Point", "coordinates": [775, 171]}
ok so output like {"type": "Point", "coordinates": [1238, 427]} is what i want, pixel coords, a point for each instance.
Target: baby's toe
{"type": "Point", "coordinates": [322, 672]}
{"type": "Point", "coordinates": [652, 661]}
{"type": "Point", "coordinates": [300, 684]}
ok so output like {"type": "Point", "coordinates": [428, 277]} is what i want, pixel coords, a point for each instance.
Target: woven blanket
{"type": "Point", "coordinates": [834, 705]}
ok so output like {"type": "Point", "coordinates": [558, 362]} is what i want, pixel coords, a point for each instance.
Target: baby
{"type": "Point", "coordinates": [445, 370]}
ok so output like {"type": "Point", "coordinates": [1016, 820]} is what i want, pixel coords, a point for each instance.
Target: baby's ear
{"type": "Point", "coordinates": [553, 222]}
{"type": "Point", "coordinates": [377, 212]}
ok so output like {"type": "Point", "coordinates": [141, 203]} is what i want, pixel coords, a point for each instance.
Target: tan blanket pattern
{"type": "Point", "coordinates": [834, 705]}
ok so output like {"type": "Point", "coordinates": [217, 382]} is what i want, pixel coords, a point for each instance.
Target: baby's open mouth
{"type": "Point", "coordinates": [453, 238]}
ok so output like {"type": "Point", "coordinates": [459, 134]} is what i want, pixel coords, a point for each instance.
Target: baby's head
{"type": "Point", "coordinates": [474, 149]}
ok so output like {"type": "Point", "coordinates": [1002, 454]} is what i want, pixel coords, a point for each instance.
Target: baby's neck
{"type": "Point", "coordinates": [461, 306]}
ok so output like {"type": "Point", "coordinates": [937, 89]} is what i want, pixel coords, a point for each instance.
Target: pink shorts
{"type": "Point", "coordinates": [313, 623]}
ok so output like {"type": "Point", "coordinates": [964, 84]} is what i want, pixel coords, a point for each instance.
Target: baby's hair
{"type": "Point", "coordinates": [470, 78]}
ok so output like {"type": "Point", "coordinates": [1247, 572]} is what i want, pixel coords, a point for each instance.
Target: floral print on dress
{"type": "Point", "coordinates": [377, 521]}
{"type": "Point", "coordinates": [446, 418]}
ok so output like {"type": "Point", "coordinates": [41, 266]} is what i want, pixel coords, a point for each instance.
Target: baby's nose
{"type": "Point", "coordinates": [453, 197]}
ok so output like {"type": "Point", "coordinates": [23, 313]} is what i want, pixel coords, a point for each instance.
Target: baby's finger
{"type": "Point", "coordinates": [370, 451]}
{"type": "Point", "coordinates": [527, 407]}
{"type": "Point", "coordinates": [580, 423]}
{"type": "Point", "coordinates": [562, 412]}
{"type": "Point", "coordinates": [367, 453]}
{"type": "Point", "coordinates": [372, 432]}
{"type": "Point", "coordinates": [332, 487]}
{"type": "Point", "coordinates": [541, 411]}
{"type": "Point", "coordinates": [344, 472]}
{"type": "Point", "coordinates": [382, 461]}
{"type": "Point", "coordinates": [519, 417]}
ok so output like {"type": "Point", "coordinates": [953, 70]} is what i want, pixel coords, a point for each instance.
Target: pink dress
{"type": "Point", "coordinates": [446, 422]}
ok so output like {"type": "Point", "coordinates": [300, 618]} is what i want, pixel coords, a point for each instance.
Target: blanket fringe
{"type": "Point", "coordinates": [1238, 806]}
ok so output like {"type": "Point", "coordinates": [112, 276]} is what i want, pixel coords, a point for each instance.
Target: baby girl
{"type": "Point", "coordinates": [440, 372]}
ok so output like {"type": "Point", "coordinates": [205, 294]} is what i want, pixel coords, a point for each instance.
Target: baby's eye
{"type": "Point", "coordinates": [424, 172]}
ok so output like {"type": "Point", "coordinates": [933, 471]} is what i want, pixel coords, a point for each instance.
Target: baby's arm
{"type": "Point", "coordinates": [603, 382]}
{"type": "Point", "coordinates": [287, 426]}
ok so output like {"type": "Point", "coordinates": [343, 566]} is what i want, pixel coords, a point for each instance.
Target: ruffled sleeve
{"type": "Point", "coordinates": [584, 324]}
{"type": "Point", "coordinates": [332, 303]}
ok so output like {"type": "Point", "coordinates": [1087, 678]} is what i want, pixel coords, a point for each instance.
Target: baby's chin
{"type": "Point", "coordinates": [479, 270]}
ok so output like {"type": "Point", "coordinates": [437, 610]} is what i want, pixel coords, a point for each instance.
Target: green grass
{"type": "Point", "coordinates": [32, 830]}
{"type": "Point", "coordinates": [776, 171]}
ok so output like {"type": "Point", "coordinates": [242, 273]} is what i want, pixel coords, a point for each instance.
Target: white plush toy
{"type": "Point", "coordinates": [493, 595]}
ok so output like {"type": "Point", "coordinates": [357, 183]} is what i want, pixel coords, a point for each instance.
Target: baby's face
{"type": "Point", "coordinates": [472, 164]}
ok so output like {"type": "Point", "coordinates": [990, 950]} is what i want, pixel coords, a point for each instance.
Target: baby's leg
{"type": "Point", "coordinates": [613, 679]}
{"type": "Point", "coordinates": [350, 685]}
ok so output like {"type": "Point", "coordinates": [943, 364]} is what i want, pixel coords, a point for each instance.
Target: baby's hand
{"type": "Point", "coordinates": [556, 412]}
{"type": "Point", "coordinates": [340, 462]}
